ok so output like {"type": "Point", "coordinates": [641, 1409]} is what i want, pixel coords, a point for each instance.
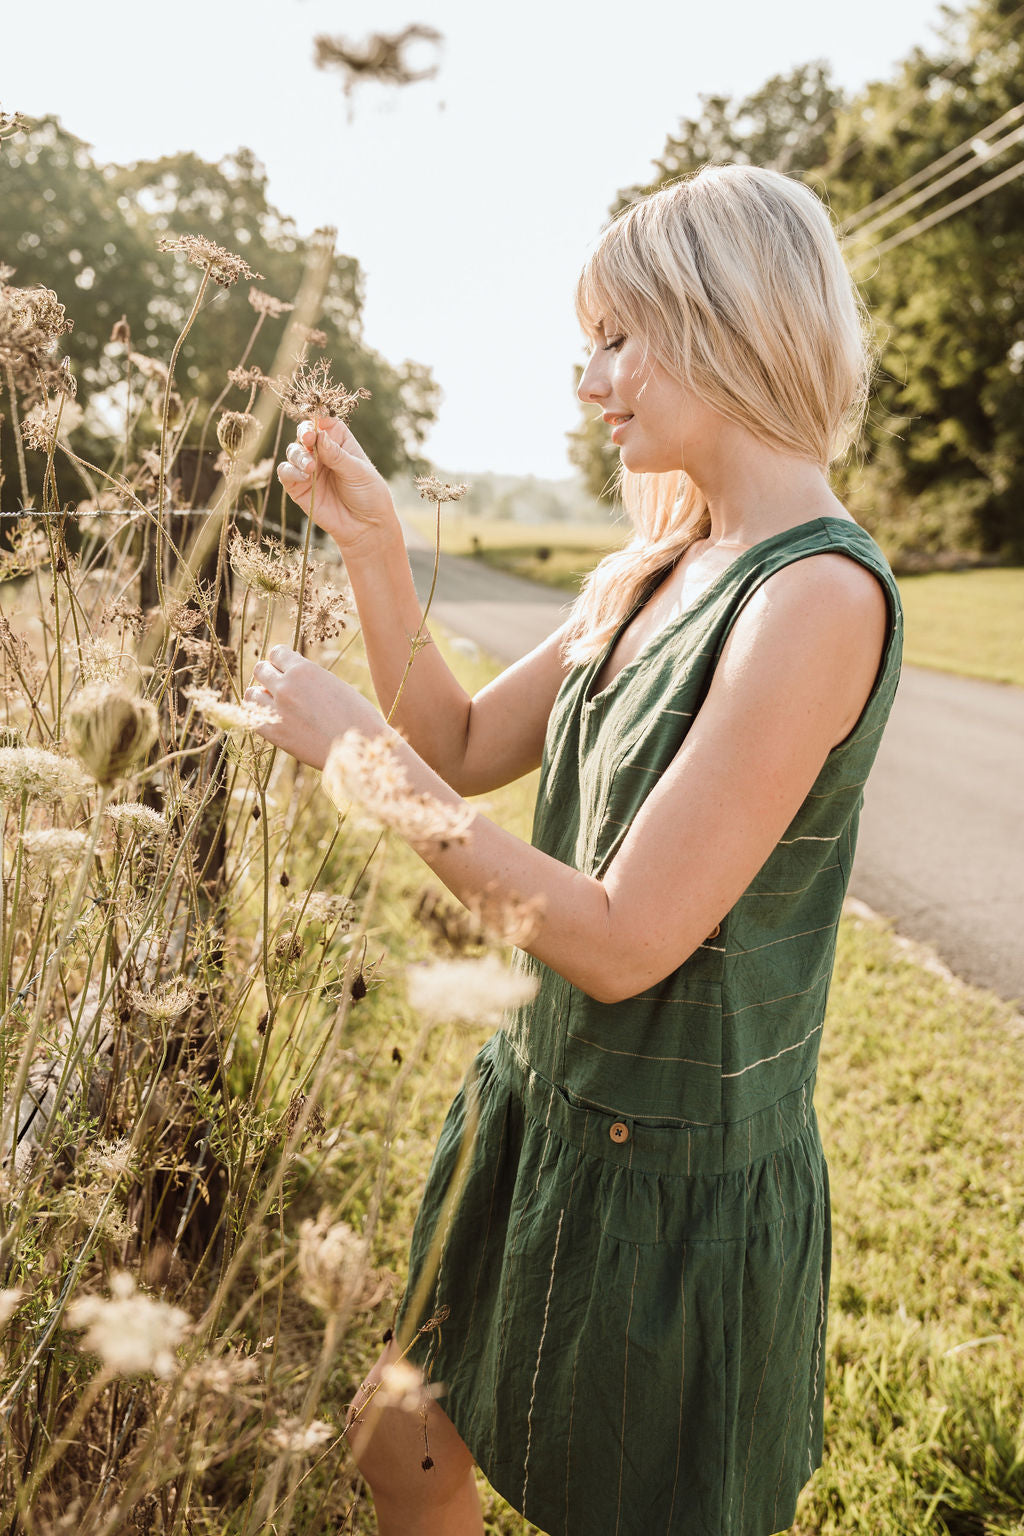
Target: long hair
{"type": "Point", "coordinates": [734, 281]}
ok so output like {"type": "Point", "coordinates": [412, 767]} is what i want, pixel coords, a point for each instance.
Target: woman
{"type": "Point", "coordinates": [634, 1277]}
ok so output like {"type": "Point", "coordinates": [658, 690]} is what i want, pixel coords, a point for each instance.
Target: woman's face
{"type": "Point", "coordinates": [653, 419]}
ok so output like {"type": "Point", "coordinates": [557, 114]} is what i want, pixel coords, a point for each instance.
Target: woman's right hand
{"type": "Point", "coordinates": [352, 501]}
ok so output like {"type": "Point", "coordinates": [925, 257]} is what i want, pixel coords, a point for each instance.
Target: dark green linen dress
{"type": "Point", "coordinates": [635, 1272]}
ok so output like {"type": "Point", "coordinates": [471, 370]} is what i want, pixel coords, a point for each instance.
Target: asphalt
{"type": "Point", "coordinates": [941, 848]}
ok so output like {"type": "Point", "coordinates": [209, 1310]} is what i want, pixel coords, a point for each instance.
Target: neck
{"type": "Point", "coordinates": [754, 491]}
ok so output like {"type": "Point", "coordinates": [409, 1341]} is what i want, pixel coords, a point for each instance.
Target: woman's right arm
{"type": "Point", "coordinates": [474, 743]}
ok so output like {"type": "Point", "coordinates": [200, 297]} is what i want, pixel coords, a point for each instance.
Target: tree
{"type": "Point", "coordinates": [90, 233]}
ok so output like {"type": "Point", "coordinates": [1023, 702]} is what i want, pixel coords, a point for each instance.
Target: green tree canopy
{"type": "Point", "coordinates": [90, 233]}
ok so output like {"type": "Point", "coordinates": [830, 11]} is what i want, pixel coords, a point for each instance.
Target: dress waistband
{"type": "Point", "coordinates": [678, 1150]}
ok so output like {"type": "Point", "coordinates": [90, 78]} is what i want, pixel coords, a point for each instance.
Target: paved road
{"type": "Point", "coordinates": [941, 846]}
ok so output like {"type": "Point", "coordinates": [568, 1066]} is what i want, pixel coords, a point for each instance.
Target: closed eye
{"type": "Point", "coordinates": [613, 346]}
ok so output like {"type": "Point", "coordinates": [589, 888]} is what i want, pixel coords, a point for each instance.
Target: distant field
{"type": "Point", "coordinates": [572, 549]}
{"type": "Point", "coordinates": [970, 622]}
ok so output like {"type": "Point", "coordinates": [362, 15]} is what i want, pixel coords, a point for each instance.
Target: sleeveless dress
{"type": "Point", "coordinates": [632, 1264]}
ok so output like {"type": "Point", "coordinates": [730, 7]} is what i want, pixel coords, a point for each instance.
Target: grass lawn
{"type": "Point", "coordinates": [970, 622]}
{"type": "Point", "coordinates": [921, 1102]}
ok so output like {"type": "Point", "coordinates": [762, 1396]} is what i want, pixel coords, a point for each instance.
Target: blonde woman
{"type": "Point", "coordinates": [634, 1277]}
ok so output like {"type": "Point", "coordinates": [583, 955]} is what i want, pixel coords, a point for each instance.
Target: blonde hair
{"type": "Point", "coordinates": [734, 281]}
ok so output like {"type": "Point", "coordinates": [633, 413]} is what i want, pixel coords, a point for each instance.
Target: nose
{"type": "Point", "coordinates": [593, 385]}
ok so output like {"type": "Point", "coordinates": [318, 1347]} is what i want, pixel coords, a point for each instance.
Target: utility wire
{"type": "Point", "coordinates": [857, 219]}
{"type": "Point", "coordinates": [942, 182]}
{"type": "Point", "coordinates": [948, 210]}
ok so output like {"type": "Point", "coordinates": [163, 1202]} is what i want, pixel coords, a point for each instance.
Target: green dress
{"type": "Point", "coordinates": [634, 1276]}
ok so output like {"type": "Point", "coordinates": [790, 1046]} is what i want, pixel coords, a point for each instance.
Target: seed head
{"type": "Point", "coordinates": [224, 266]}
{"type": "Point", "coordinates": [40, 775]}
{"type": "Point", "coordinates": [121, 334]}
{"type": "Point", "coordinates": [294, 1438]}
{"type": "Point", "coordinates": [364, 769]}
{"type": "Point", "coordinates": [266, 304]}
{"type": "Point", "coordinates": [311, 392]}
{"type": "Point", "coordinates": [132, 816]}
{"type": "Point", "coordinates": [133, 1334]}
{"type": "Point", "coordinates": [268, 567]}
{"type": "Point", "coordinates": [167, 1001]}
{"type": "Point", "coordinates": [237, 431]}
{"type": "Point", "coordinates": [467, 991]}
{"type": "Point", "coordinates": [227, 716]}
{"type": "Point", "coordinates": [111, 730]}
{"type": "Point", "coordinates": [324, 612]}
{"type": "Point", "coordinates": [332, 1264]}
{"type": "Point", "coordinates": [55, 848]}
{"type": "Point", "coordinates": [433, 489]}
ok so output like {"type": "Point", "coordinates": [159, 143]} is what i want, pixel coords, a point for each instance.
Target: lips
{"type": "Point", "coordinates": [616, 420]}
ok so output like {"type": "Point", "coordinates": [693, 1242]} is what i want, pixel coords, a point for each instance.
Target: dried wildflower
{"type": "Point", "coordinates": [324, 612]}
{"type": "Point", "coordinates": [266, 304]}
{"type": "Point", "coordinates": [10, 122]}
{"type": "Point", "coordinates": [256, 477]}
{"type": "Point", "coordinates": [223, 266]}
{"type": "Point", "coordinates": [183, 619]}
{"type": "Point", "coordinates": [121, 335]}
{"type": "Point", "coordinates": [489, 917]}
{"type": "Point", "coordinates": [237, 431]}
{"type": "Point", "coordinates": [132, 816]}
{"type": "Point", "coordinates": [433, 489]}
{"type": "Point", "coordinates": [121, 611]}
{"type": "Point", "coordinates": [132, 1333]}
{"type": "Point", "coordinates": [322, 907]}
{"type": "Point", "coordinates": [311, 392]}
{"type": "Point", "coordinates": [28, 549]}
{"type": "Point", "coordinates": [221, 1375]}
{"type": "Point", "coordinates": [55, 848]}
{"type": "Point", "coordinates": [110, 1160]}
{"type": "Point", "coordinates": [269, 567]}
{"type": "Point", "coordinates": [364, 769]}
{"type": "Point", "coordinates": [380, 57]}
{"type": "Point", "coordinates": [102, 660]}
{"type": "Point", "coordinates": [467, 991]}
{"type": "Point", "coordinates": [32, 320]}
{"type": "Point", "coordinates": [64, 380]}
{"type": "Point", "coordinates": [332, 1264]}
{"type": "Point", "coordinates": [248, 378]}
{"type": "Point", "coordinates": [400, 1385]}
{"type": "Point", "coordinates": [111, 730]}
{"type": "Point", "coordinates": [10, 1301]}
{"type": "Point", "coordinates": [39, 774]}
{"type": "Point", "coordinates": [224, 715]}
{"type": "Point", "coordinates": [151, 368]}
{"type": "Point", "coordinates": [294, 1438]}
{"type": "Point", "coordinates": [311, 336]}
{"type": "Point", "coordinates": [167, 1001]}
{"type": "Point", "coordinates": [314, 1119]}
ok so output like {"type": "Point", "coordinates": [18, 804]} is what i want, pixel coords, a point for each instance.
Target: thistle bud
{"type": "Point", "coordinates": [236, 431]}
{"type": "Point", "coordinates": [111, 730]}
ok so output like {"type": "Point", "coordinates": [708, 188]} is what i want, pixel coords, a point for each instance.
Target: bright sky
{"type": "Point", "coordinates": [470, 199]}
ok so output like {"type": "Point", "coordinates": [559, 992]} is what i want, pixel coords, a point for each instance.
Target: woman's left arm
{"type": "Point", "coordinates": [792, 681]}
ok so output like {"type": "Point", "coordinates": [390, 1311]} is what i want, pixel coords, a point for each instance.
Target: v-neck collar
{"type": "Point", "coordinates": [711, 590]}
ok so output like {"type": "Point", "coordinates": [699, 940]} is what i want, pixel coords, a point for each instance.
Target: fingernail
{"type": "Point", "coordinates": [304, 460]}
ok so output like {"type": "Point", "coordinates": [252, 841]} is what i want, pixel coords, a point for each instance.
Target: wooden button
{"type": "Point", "coordinates": [619, 1132]}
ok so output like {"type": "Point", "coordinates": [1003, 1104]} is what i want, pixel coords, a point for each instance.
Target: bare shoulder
{"type": "Point", "coordinates": [829, 592]}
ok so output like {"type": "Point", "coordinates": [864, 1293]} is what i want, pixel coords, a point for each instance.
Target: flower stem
{"type": "Point", "coordinates": [418, 638]}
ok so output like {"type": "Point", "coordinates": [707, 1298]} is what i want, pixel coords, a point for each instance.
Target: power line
{"type": "Point", "coordinates": [942, 182]}
{"type": "Point", "coordinates": [949, 209]}
{"type": "Point", "coordinates": [967, 147]}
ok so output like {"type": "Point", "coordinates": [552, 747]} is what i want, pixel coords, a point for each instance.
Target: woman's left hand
{"type": "Point", "coordinates": [315, 706]}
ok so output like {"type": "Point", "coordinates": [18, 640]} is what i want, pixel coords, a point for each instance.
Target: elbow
{"type": "Point", "coordinates": [617, 978]}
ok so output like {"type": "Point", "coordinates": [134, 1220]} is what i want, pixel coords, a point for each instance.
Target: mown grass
{"type": "Point", "coordinates": [971, 622]}
{"type": "Point", "coordinates": [921, 1102]}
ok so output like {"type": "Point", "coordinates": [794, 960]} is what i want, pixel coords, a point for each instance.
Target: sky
{"type": "Point", "coordinates": [470, 200]}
